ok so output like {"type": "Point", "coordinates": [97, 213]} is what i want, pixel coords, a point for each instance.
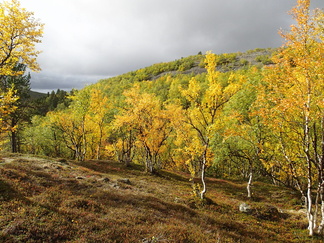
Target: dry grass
{"type": "Point", "coordinates": [44, 200]}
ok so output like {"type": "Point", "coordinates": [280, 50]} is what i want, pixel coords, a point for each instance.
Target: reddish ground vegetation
{"type": "Point", "coordinates": [45, 200]}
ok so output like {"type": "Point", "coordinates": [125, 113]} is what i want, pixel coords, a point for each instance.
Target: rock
{"type": "Point", "coordinates": [268, 212]}
{"type": "Point", "coordinates": [125, 181]}
{"type": "Point", "coordinates": [263, 212]}
{"type": "Point", "coordinates": [105, 179]}
{"type": "Point", "coordinates": [115, 185]}
{"type": "Point", "coordinates": [245, 208]}
{"type": "Point", "coordinates": [176, 200]}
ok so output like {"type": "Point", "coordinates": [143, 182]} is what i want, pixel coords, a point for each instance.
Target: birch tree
{"type": "Point", "coordinates": [7, 106]}
{"type": "Point", "coordinates": [292, 106]}
{"type": "Point", "coordinates": [20, 32]}
{"type": "Point", "coordinates": [204, 115]}
{"type": "Point", "coordinates": [148, 122]}
{"type": "Point", "coordinates": [99, 107]}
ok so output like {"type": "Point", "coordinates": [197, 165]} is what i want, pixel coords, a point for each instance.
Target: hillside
{"type": "Point", "coordinates": [36, 95]}
{"type": "Point", "coordinates": [194, 65]}
{"type": "Point", "coordinates": [46, 200]}
{"type": "Point", "coordinates": [227, 62]}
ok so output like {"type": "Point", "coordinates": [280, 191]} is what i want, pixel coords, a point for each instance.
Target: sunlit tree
{"type": "Point", "coordinates": [204, 115]}
{"type": "Point", "coordinates": [99, 107]}
{"type": "Point", "coordinates": [20, 32]}
{"type": "Point", "coordinates": [7, 106]}
{"type": "Point", "coordinates": [148, 122]}
{"type": "Point", "coordinates": [291, 104]}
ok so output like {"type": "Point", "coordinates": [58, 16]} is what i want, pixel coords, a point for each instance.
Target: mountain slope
{"type": "Point", "coordinates": [226, 62]}
{"type": "Point", "coordinates": [46, 200]}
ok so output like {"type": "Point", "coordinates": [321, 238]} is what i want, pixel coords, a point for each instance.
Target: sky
{"type": "Point", "coordinates": [88, 40]}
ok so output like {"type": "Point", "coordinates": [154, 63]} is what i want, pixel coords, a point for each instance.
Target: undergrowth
{"type": "Point", "coordinates": [44, 200]}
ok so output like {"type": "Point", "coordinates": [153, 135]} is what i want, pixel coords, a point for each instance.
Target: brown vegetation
{"type": "Point", "coordinates": [45, 200]}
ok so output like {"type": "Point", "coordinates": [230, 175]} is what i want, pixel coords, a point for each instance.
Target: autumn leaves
{"type": "Point", "coordinates": [20, 33]}
{"type": "Point", "coordinates": [293, 109]}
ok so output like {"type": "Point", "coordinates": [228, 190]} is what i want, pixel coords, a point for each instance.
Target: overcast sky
{"type": "Point", "coordinates": [87, 40]}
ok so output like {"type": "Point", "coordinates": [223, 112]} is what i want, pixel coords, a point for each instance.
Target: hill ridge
{"type": "Point", "coordinates": [195, 65]}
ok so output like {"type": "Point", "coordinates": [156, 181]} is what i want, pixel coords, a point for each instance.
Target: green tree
{"type": "Point", "coordinates": [43, 137]}
{"type": "Point", "coordinates": [21, 84]}
{"type": "Point", "coordinates": [244, 133]}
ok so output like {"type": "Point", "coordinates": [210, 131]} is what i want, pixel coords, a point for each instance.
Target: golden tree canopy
{"type": "Point", "coordinates": [20, 32]}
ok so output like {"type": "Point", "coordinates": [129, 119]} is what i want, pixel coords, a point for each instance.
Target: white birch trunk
{"type": "Point", "coordinates": [307, 142]}
{"type": "Point", "coordinates": [248, 187]}
{"type": "Point", "coordinates": [203, 168]}
{"type": "Point", "coordinates": [310, 214]}
{"type": "Point", "coordinates": [204, 189]}
{"type": "Point", "coordinates": [321, 226]}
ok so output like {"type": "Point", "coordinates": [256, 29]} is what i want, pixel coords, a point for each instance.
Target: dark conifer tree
{"type": "Point", "coordinates": [21, 85]}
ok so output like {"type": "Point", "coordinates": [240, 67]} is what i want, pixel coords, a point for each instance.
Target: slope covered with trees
{"type": "Point", "coordinates": [138, 120]}
{"type": "Point", "coordinates": [249, 116]}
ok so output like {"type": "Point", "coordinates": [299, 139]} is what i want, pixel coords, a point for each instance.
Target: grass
{"type": "Point", "coordinates": [45, 200]}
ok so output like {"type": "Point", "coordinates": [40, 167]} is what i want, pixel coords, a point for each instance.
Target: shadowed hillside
{"type": "Point", "coordinates": [45, 200]}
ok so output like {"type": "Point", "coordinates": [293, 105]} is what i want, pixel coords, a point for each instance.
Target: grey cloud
{"type": "Point", "coordinates": [86, 39]}
{"type": "Point", "coordinates": [45, 82]}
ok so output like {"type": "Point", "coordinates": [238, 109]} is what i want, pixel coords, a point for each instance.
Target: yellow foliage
{"type": "Point", "coordinates": [193, 91]}
{"type": "Point", "coordinates": [291, 100]}
{"type": "Point", "coordinates": [149, 122]}
{"type": "Point", "coordinates": [19, 34]}
{"type": "Point", "coordinates": [7, 106]}
{"type": "Point", "coordinates": [204, 117]}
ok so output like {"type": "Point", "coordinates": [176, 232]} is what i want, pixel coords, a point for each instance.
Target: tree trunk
{"type": "Point", "coordinates": [307, 145]}
{"type": "Point", "coordinates": [248, 187]}
{"type": "Point", "coordinates": [14, 142]}
{"type": "Point", "coordinates": [321, 226]}
{"type": "Point", "coordinates": [321, 177]}
{"type": "Point", "coordinates": [100, 140]}
{"type": "Point", "coordinates": [310, 215]}
{"type": "Point", "coordinates": [129, 148]}
{"type": "Point", "coordinates": [148, 163]}
{"type": "Point", "coordinates": [321, 190]}
{"type": "Point", "coordinates": [83, 149]}
{"type": "Point", "coordinates": [203, 168]}
{"type": "Point", "coordinates": [149, 166]}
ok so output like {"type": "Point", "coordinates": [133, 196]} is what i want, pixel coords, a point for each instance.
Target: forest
{"type": "Point", "coordinates": [252, 116]}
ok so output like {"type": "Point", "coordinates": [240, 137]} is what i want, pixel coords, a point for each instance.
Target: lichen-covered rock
{"type": "Point", "coordinates": [104, 179]}
{"type": "Point", "coordinates": [245, 208]}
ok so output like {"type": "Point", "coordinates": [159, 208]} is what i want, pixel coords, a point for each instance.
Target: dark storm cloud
{"type": "Point", "coordinates": [87, 40]}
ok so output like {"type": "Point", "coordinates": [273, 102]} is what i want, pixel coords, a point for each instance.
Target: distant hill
{"type": "Point", "coordinates": [36, 95]}
{"type": "Point", "coordinates": [183, 69]}
{"type": "Point", "coordinates": [193, 65]}
{"type": "Point", "coordinates": [227, 62]}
